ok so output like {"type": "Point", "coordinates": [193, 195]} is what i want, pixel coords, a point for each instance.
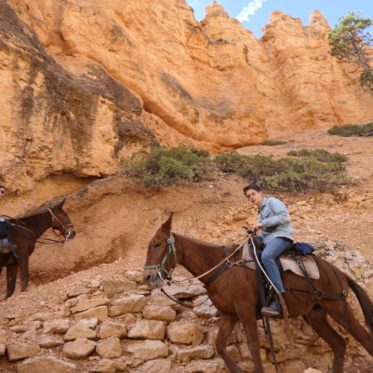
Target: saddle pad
{"type": "Point", "coordinates": [290, 264]}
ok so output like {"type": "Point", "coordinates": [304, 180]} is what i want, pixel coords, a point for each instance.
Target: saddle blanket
{"type": "Point", "coordinates": [288, 263]}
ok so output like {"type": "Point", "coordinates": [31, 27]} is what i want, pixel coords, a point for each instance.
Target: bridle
{"type": "Point", "coordinates": [65, 227]}
{"type": "Point", "coordinates": [160, 268]}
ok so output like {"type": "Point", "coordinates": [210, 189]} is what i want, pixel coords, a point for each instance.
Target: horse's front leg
{"type": "Point", "coordinates": [227, 323]}
{"type": "Point", "coordinates": [246, 313]}
{"type": "Point", "coordinates": [11, 277]}
{"type": "Point", "coordinates": [23, 263]}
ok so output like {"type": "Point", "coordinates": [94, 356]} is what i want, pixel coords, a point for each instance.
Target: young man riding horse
{"type": "Point", "coordinates": [5, 226]}
{"type": "Point", "coordinates": [276, 232]}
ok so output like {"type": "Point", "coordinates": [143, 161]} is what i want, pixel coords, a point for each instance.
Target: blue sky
{"type": "Point", "coordinates": [254, 14]}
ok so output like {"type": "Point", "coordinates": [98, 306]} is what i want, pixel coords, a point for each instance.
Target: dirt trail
{"type": "Point", "coordinates": [115, 218]}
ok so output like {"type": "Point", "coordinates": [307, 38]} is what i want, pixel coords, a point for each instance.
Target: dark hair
{"type": "Point", "coordinates": [251, 186]}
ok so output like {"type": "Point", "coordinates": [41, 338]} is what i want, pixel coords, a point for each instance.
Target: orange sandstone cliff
{"type": "Point", "coordinates": [86, 83]}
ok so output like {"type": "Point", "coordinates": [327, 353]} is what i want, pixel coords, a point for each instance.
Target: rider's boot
{"type": "Point", "coordinates": [272, 310]}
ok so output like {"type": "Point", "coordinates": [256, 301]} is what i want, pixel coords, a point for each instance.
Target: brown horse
{"type": "Point", "coordinates": [24, 234]}
{"type": "Point", "coordinates": [235, 294]}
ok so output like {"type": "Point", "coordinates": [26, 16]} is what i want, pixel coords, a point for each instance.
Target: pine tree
{"type": "Point", "coordinates": [350, 42]}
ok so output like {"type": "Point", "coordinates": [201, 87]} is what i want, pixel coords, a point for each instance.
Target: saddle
{"type": "Point", "coordinates": [291, 260]}
{"type": "Point", "coordinates": [6, 245]}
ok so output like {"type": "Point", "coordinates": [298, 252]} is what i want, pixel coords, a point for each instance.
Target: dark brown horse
{"type": "Point", "coordinates": [235, 294]}
{"type": "Point", "coordinates": [24, 234]}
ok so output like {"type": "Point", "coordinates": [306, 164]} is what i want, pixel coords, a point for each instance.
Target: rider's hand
{"type": "Point", "coordinates": [252, 228]}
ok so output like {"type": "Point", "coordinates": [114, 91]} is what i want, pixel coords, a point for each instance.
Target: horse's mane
{"type": "Point", "coordinates": [42, 208]}
{"type": "Point", "coordinates": [199, 242]}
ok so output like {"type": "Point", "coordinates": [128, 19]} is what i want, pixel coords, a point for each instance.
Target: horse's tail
{"type": "Point", "coordinates": [365, 303]}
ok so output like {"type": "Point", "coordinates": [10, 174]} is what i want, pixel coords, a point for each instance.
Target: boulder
{"type": "Point", "coordinates": [80, 331]}
{"type": "Point", "coordinates": [112, 287]}
{"type": "Point", "coordinates": [21, 351]}
{"type": "Point", "coordinates": [58, 326]}
{"type": "Point", "coordinates": [46, 365]}
{"type": "Point", "coordinates": [185, 332]}
{"type": "Point", "coordinates": [109, 348]}
{"type": "Point", "coordinates": [128, 304]}
{"type": "Point", "coordinates": [147, 329]}
{"type": "Point", "coordinates": [112, 328]}
{"type": "Point", "coordinates": [101, 313]}
{"type": "Point", "coordinates": [161, 313]}
{"type": "Point", "coordinates": [79, 349]}
{"type": "Point", "coordinates": [148, 350]}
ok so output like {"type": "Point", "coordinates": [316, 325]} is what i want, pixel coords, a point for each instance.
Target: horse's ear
{"type": "Point", "coordinates": [166, 226]}
{"type": "Point", "coordinates": [61, 203]}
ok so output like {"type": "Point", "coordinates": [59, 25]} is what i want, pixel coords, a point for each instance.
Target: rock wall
{"type": "Point", "coordinates": [86, 83]}
{"type": "Point", "coordinates": [112, 323]}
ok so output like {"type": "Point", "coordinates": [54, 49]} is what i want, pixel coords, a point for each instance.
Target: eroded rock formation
{"type": "Point", "coordinates": [85, 83]}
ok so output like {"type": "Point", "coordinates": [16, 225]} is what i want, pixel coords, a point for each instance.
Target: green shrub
{"type": "Point", "coordinates": [245, 166]}
{"type": "Point", "coordinates": [169, 166]}
{"type": "Point", "coordinates": [352, 130]}
{"type": "Point", "coordinates": [272, 142]}
{"type": "Point", "coordinates": [321, 155]}
{"type": "Point", "coordinates": [286, 173]}
{"type": "Point", "coordinates": [308, 170]}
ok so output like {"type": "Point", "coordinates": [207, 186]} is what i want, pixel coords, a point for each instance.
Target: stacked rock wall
{"type": "Point", "coordinates": [116, 324]}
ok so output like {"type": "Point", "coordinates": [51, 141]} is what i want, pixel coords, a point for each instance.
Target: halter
{"type": "Point", "coordinates": [170, 249]}
{"type": "Point", "coordinates": [64, 226]}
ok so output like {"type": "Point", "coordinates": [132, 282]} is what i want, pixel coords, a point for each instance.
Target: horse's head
{"type": "Point", "coordinates": [61, 221]}
{"type": "Point", "coordinates": [161, 256]}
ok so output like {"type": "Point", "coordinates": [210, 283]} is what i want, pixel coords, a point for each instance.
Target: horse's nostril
{"type": "Point", "coordinates": [147, 279]}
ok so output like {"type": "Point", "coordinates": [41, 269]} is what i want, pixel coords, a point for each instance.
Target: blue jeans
{"type": "Point", "coordinates": [272, 250]}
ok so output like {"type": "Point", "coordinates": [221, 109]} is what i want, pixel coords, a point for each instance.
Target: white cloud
{"type": "Point", "coordinates": [250, 10]}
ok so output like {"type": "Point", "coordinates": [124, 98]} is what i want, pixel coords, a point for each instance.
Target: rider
{"type": "Point", "coordinates": [3, 223]}
{"type": "Point", "coordinates": [276, 232]}
{"type": "Point", "coordinates": [5, 226]}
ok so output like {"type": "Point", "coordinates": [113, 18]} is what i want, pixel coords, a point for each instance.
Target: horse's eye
{"type": "Point", "coordinates": [157, 245]}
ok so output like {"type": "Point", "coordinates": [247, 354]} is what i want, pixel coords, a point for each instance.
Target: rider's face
{"type": "Point", "coordinates": [255, 197]}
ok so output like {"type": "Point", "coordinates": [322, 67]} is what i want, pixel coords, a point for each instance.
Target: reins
{"type": "Point", "coordinates": [225, 260]}
{"type": "Point", "coordinates": [46, 240]}
{"type": "Point", "coordinates": [171, 249]}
